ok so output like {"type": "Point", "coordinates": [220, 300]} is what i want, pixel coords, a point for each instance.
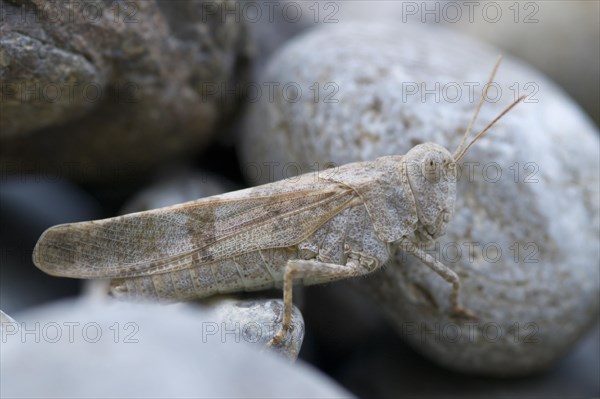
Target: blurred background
{"type": "Point", "coordinates": [133, 105]}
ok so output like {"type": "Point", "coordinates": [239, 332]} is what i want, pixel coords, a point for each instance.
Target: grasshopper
{"type": "Point", "coordinates": [314, 229]}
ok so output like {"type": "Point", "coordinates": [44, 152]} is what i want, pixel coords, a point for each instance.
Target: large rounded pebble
{"type": "Point", "coordinates": [524, 235]}
{"type": "Point", "coordinates": [85, 349]}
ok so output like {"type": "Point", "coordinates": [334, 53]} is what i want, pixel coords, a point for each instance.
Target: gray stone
{"type": "Point", "coordinates": [98, 91]}
{"type": "Point", "coordinates": [530, 310]}
{"type": "Point", "coordinates": [89, 349]}
{"type": "Point", "coordinates": [256, 322]}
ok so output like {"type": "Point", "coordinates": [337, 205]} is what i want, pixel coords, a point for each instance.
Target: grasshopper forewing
{"type": "Point", "coordinates": [316, 228]}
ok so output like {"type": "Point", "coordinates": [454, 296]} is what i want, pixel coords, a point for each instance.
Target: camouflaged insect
{"type": "Point", "coordinates": [312, 229]}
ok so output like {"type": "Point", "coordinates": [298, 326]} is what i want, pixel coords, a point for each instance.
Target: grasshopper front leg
{"type": "Point", "coordinates": [446, 273]}
{"type": "Point", "coordinates": [299, 268]}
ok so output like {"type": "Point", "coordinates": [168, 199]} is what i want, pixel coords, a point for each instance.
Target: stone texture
{"type": "Point", "coordinates": [95, 91]}
{"type": "Point", "coordinates": [256, 322]}
{"type": "Point", "coordinates": [127, 350]}
{"type": "Point", "coordinates": [530, 311]}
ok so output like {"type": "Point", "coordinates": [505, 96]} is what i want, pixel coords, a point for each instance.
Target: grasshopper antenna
{"type": "Point", "coordinates": [485, 129]}
{"type": "Point", "coordinates": [481, 100]}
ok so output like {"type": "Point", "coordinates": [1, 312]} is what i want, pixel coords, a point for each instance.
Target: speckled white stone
{"type": "Point", "coordinates": [551, 300]}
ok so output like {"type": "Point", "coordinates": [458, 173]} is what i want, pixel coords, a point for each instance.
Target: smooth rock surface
{"type": "Point", "coordinates": [89, 349]}
{"type": "Point", "coordinates": [524, 235]}
{"type": "Point", "coordinates": [97, 91]}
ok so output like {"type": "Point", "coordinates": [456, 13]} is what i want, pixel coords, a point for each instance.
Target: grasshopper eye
{"type": "Point", "coordinates": [431, 167]}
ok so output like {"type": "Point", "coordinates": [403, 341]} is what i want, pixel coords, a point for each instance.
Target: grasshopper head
{"type": "Point", "coordinates": [431, 172]}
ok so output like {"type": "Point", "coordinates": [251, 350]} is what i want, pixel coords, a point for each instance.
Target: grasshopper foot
{"type": "Point", "coordinates": [463, 313]}
{"type": "Point", "coordinates": [278, 338]}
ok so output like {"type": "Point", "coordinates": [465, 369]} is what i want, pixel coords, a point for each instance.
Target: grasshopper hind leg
{"type": "Point", "coordinates": [299, 269]}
